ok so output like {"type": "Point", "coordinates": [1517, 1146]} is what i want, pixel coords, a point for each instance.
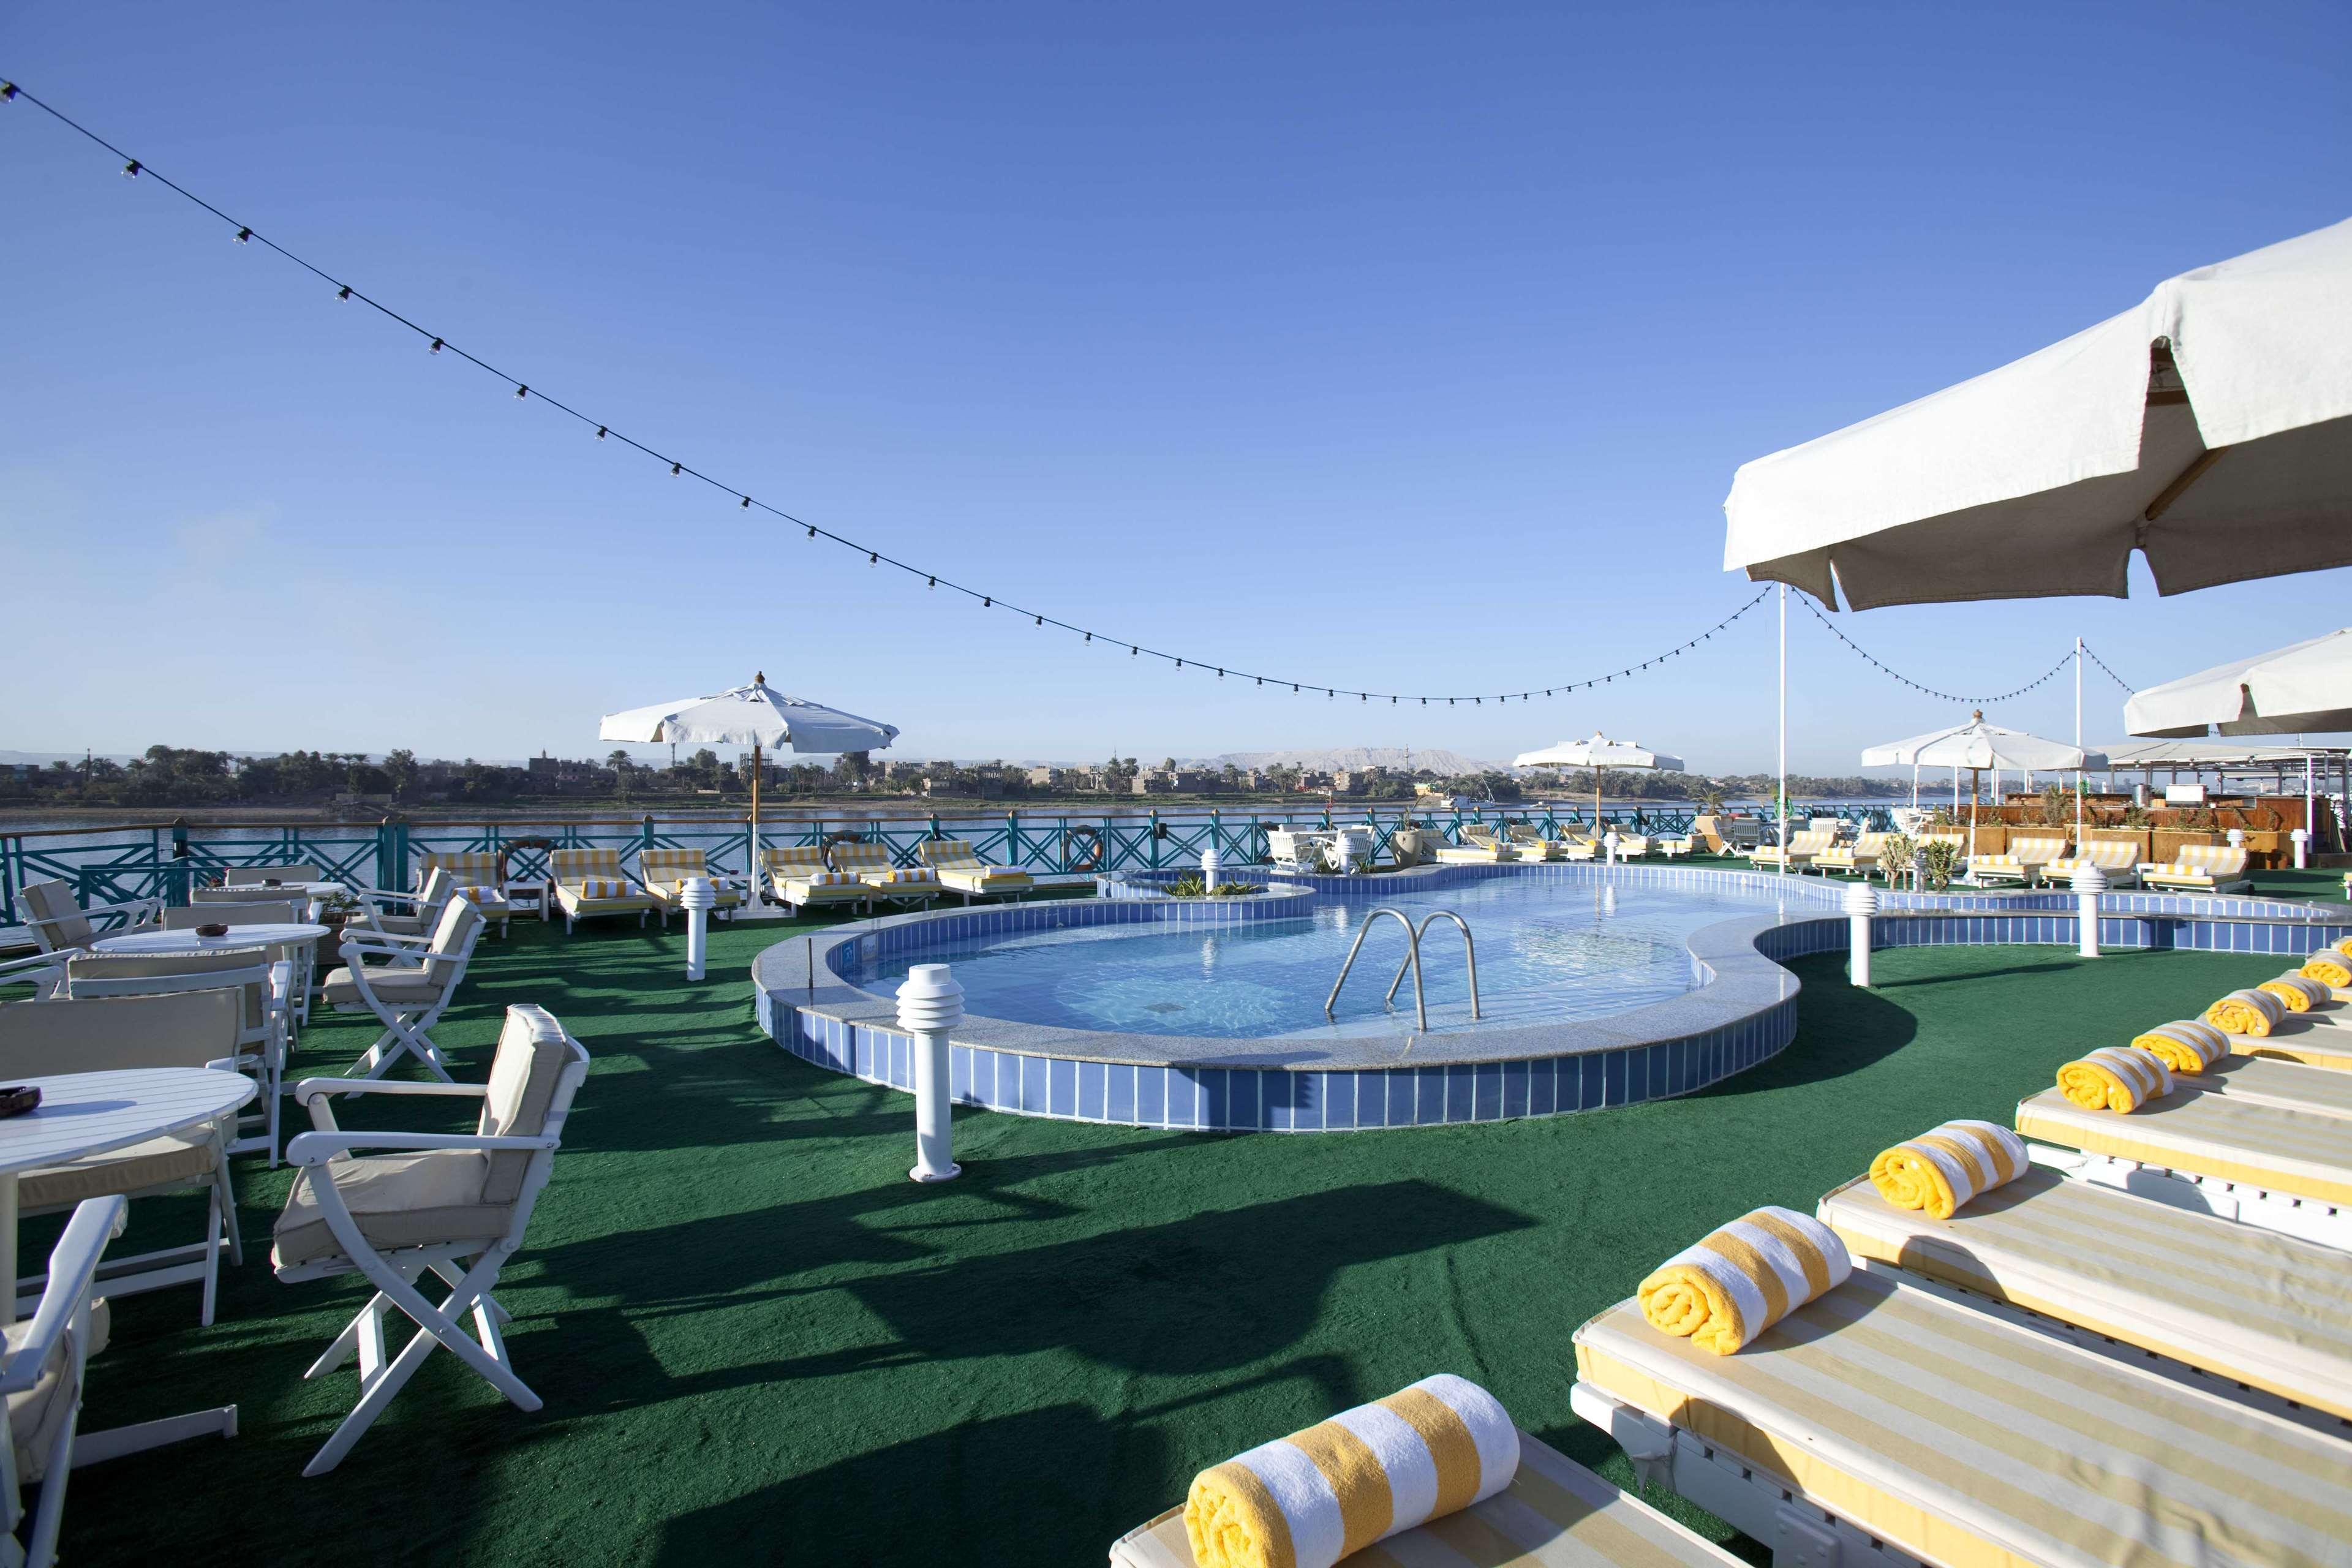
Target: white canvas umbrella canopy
{"type": "Point", "coordinates": [1597, 752]}
{"type": "Point", "coordinates": [2210, 428]}
{"type": "Point", "coordinates": [2291, 691]}
{"type": "Point", "coordinates": [757, 716]}
{"type": "Point", "coordinates": [1977, 745]}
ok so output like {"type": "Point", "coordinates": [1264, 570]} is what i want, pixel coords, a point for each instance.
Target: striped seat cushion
{"type": "Point", "coordinates": [1965, 1438]}
{"type": "Point", "coordinates": [2292, 1086]}
{"type": "Point", "coordinates": [2244, 1303]}
{"type": "Point", "coordinates": [1554, 1514]}
{"type": "Point", "coordinates": [2303, 1154]}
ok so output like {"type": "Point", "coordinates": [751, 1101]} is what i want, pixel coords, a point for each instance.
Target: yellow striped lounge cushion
{"type": "Point", "coordinates": [604, 888]}
{"type": "Point", "coordinates": [1975, 1441]}
{"type": "Point", "coordinates": [2255, 1013]}
{"type": "Point", "coordinates": [1310, 1498]}
{"type": "Point", "coordinates": [2298, 993]}
{"type": "Point", "coordinates": [2329, 966]}
{"type": "Point", "coordinates": [1741, 1280]}
{"type": "Point", "coordinates": [1943, 1168]}
{"type": "Point", "coordinates": [2186, 1044]}
{"type": "Point", "coordinates": [2115, 1077]}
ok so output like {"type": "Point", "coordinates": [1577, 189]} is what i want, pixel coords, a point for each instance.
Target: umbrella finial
{"type": "Point", "coordinates": [761, 679]}
{"type": "Point", "coordinates": [1979, 715]}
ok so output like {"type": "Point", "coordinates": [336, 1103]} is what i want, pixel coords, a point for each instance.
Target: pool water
{"type": "Point", "coordinates": [1548, 951]}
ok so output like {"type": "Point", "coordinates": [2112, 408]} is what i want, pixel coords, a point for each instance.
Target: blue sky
{"type": "Point", "coordinates": [1401, 348]}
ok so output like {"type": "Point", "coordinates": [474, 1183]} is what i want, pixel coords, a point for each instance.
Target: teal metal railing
{"type": "Point", "coordinates": [115, 865]}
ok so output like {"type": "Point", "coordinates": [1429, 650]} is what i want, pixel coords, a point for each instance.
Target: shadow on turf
{"type": "Point", "coordinates": [1843, 1029]}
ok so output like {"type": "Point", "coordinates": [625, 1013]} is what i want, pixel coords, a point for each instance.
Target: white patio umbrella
{"type": "Point", "coordinates": [756, 716]}
{"type": "Point", "coordinates": [1977, 745]}
{"type": "Point", "coordinates": [1596, 753]}
{"type": "Point", "coordinates": [2209, 427]}
{"type": "Point", "coordinates": [2291, 691]}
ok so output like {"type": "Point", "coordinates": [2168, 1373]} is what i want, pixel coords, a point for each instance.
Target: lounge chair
{"type": "Point", "coordinates": [2321, 1038]}
{"type": "Point", "coordinates": [1745, 835]}
{"type": "Point", "coordinates": [1674, 846]}
{"type": "Point", "coordinates": [2120, 861]}
{"type": "Point", "coordinates": [664, 873]}
{"type": "Point", "coordinates": [802, 880]}
{"type": "Point", "coordinates": [180, 1029]}
{"type": "Point", "coordinates": [266, 983]}
{"type": "Point", "coordinates": [590, 883]}
{"type": "Point", "coordinates": [1860, 858]}
{"type": "Point", "coordinates": [479, 876]}
{"type": "Point", "coordinates": [2248, 1306]}
{"type": "Point", "coordinates": [1531, 844]}
{"type": "Point", "coordinates": [1889, 1422]}
{"type": "Point", "coordinates": [962, 870]}
{"type": "Point", "coordinates": [409, 991]}
{"type": "Point", "coordinates": [1996, 871]}
{"type": "Point", "coordinates": [870, 864]}
{"type": "Point", "coordinates": [2280, 1168]}
{"type": "Point", "coordinates": [1803, 847]}
{"type": "Point", "coordinates": [59, 923]}
{"type": "Point", "coordinates": [2035, 850]}
{"type": "Point", "coordinates": [2201, 868]}
{"type": "Point", "coordinates": [1479, 846]}
{"type": "Point", "coordinates": [1554, 1514]}
{"type": "Point", "coordinates": [1296, 850]}
{"type": "Point", "coordinates": [400, 1208]}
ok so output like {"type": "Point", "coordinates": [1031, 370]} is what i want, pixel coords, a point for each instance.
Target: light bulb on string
{"type": "Point", "coordinates": [344, 292]}
{"type": "Point", "coordinates": [244, 236]}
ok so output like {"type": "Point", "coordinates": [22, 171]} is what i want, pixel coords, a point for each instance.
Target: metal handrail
{"type": "Point", "coordinates": [1469, 952]}
{"type": "Point", "coordinates": [1412, 958]}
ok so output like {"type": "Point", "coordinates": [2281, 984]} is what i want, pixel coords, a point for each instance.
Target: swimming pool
{"type": "Point", "coordinates": [1550, 950]}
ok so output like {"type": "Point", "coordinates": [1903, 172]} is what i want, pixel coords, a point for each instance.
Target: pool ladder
{"type": "Point", "coordinates": [1412, 961]}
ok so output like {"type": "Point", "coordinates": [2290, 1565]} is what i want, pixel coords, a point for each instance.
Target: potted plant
{"type": "Point", "coordinates": [1939, 862]}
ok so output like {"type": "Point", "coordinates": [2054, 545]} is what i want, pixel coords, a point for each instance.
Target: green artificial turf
{"type": "Point", "coordinates": [757, 1341]}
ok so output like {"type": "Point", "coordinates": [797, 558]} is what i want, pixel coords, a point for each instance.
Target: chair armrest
{"type": "Point", "coordinates": [73, 1263]}
{"type": "Point", "coordinates": [318, 1088]}
{"type": "Point", "coordinates": [386, 894]}
{"type": "Point", "coordinates": [356, 944]}
{"type": "Point", "coordinates": [318, 1148]}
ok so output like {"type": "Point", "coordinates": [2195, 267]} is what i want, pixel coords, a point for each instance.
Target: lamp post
{"type": "Point", "coordinates": [698, 897]}
{"type": "Point", "coordinates": [2089, 883]}
{"type": "Point", "coordinates": [931, 1003]}
{"type": "Point", "coordinates": [1861, 904]}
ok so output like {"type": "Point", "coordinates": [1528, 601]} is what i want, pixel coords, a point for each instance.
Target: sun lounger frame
{"type": "Point", "coordinates": [2312, 1219]}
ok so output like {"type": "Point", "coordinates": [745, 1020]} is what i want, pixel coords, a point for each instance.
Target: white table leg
{"type": "Point", "coordinates": [8, 1245]}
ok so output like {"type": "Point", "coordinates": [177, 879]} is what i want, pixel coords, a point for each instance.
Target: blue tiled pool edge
{"type": "Point", "coordinates": [819, 1017]}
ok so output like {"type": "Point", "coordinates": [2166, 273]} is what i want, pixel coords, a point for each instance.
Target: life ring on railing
{"type": "Point", "coordinates": [1089, 836]}
{"type": "Point", "coordinates": [507, 853]}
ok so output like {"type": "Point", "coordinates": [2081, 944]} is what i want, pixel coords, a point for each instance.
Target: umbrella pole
{"type": "Point", "coordinates": [1781, 805]}
{"type": "Point", "coordinates": [755, 906]}
{"type": "Point", "coordinates": [2078, 745]}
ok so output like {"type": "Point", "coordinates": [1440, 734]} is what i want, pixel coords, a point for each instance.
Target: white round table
{"type": "Point", "coordinates": [92, 1112]}
{"type": "Point", "coordinates": [307, 889]}
{"type": "Point", "coordinates": [279, 935]}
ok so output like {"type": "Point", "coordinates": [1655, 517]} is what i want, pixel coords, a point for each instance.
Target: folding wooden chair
{"type": "Point", "coordinates": [179, 1030]}
{"type": "Point", "coordinates": [409, 993]}
{"type": "Point", "coordinates": [453, 1205]}
{"type": "Point", "coordinates": [423, 906]}
{"type": "Point", "coordinates": [267, 983]}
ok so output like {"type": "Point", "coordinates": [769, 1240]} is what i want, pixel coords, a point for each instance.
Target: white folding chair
{"type": "Point", "coordinates": [451, 1204]}
{"type": "Point", "coordinates": [58, 922]}
{"type": "Point", "coordinates": [41, 1380]}
{"type": "Point", "coordinates": [44, 972]}
{"type": "Point", "coordinates": [409, 991]}
{"type": "Point", "coordinates": [267, 984]}
{"type": "Point", "coordinates": [423, 906]}
{"type": "Point", "coordinates": [178, 1030]}
{"type": "Point", "coordinates": [242, 876]}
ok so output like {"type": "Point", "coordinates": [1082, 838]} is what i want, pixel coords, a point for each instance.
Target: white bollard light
{"type": "Point", "coordinates": [2089, 883]}
{"type": "Point", "coordinates": [1861, 904]}
{"type": "Point", "coordinates": [2237, 836]}
{"type": "Point", "coordinates": [931, 1003]}
{"type": "Point", "coordinates": [1211, 870]}
{"type": "Point", "coordinates": [1609, 842]}
{"type": "Point", "coordinates": [2302, 837]}
{"type": "Point", "coordinates": [699, 895]}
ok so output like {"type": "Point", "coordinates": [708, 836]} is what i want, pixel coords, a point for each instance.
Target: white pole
{"type": "Point", "coordinates": [2078, 745]}
{"type": "Point", "coordinates": [1861, 904]}
{"type": "Point", "coordinates": [1782, 805]}
{"type": "Point", "coordinates": [2089, 883]}
{"type": "Point", "coordinates": [931, 1003]}
{"type": "Point", "coordinates": [2302, 839]}
{"type": "Point", "coordinates": [699, 895]}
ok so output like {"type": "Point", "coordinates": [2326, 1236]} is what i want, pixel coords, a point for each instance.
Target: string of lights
{"type": "Point", "coordinates": [1875, 663]}
{"type": "Point", "coordinates": [438, 343]}
{"type": "Point", "coordinates": [2110, 675]}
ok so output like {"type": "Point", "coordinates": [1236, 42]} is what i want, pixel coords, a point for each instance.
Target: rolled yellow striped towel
{"type": "Point", "coordinates": [1945, 1167]}
{"type": "Point", "coordinates": [604, 888]}
{"type": "Point", "coordinates": [1740, 1280]}
{"type": "Point", "coordinates": [2328, 966]}
{"type": "Point", "coordinates": [2298, 993]}
{"type": "Point", "coordinates": [827, 879]}
{"type": "Point", "coordinates": [477, 895]}
{"type": "Point", "coordinates": [2253, 1013]}
{"type": "Point", "coordinates": [2344, 946]}
{"type": "Point", "coordinates": [2116, 1077]}
{"type": "Point", "coordinates": [1310, 1498]}
{"type": "Point", "coordinates": [2185, 1045]}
